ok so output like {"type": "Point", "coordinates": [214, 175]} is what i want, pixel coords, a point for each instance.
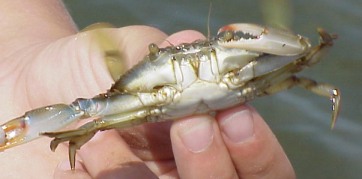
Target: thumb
{"type": "Point", "coordinates": [74, 66]}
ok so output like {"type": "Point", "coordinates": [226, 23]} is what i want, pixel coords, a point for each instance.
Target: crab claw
{"type": "Point", "coordinates": [262, 39]}
{"type": "Point", "coordinates": [29, 126]}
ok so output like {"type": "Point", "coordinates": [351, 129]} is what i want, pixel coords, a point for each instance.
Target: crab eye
{"type": "Point", "coordinates": [153, 48]}
{"type": "Point", "coordinates": [228, 35]}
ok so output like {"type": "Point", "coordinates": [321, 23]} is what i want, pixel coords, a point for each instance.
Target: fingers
{"type": "Point", "coordinates": [253, 147]}
{"type": "Point", "coordinates": [237, 143]}
{"type": "Point", "coordinates": [199, 149]}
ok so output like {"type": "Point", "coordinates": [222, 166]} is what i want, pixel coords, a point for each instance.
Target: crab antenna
{"type": "Point", "coordinates": [208, 21]}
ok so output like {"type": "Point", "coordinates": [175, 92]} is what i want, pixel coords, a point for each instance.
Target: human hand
{"type": "Point", "coordinates": [237, 143]}
{"type": "Point", "coordinates": [45, 63]}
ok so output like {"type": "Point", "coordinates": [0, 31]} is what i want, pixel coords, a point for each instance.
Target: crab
{"type": "Point", "coordinates": [242, 62]}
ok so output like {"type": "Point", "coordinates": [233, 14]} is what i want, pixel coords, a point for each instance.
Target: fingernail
{"type": "Point", "coordinates": [197, 134]}
{"type": "Point", "coordinates": [239, 126]}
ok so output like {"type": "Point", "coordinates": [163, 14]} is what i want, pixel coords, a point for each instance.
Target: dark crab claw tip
{"type": "Point", "coordinates": [251, 29]}
{"type": "Point", "coordinates": [265, 40]}
{"type": "Point", "coordinates": [326, 38]}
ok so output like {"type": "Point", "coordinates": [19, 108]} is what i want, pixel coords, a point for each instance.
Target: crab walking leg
{"type": "Point", "coordinates": [326, 42]}
{"type": "Point", "coordinates": [321, 89]}
{"type": "Point", "coordinates": [83, 134]}
{"type": "Point", "coordinates": [27, 127]}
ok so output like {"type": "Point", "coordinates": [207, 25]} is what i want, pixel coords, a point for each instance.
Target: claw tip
{"type": "Point", "coordinates": [2, 136]}
{"type": "Point", "coordinates": [333, 123]}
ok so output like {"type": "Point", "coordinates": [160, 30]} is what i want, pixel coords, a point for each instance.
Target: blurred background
{"type": "Point", "coordinates": [300, 119]}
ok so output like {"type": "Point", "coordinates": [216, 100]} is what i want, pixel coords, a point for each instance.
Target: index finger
{"type": "Point", "coordinates": [254, 149]}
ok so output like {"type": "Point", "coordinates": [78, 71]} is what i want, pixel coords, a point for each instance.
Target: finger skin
{"type": "Point", "coordinates": [105, 156]}
{"type": "Point", "coordinates": [63, 171]}
{"type": "Point", "coordinates": [258, 156]}
{"type": "Point", "coordinates": [208, 160]}
{"type": "Point", "coordinates": [108, 156]}
{"type": "Point", "coordinates": [246, 151]}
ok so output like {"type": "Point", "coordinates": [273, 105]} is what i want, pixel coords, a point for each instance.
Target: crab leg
{"type": "Point", "coordinates": [286, 66]}
{"type": "Point", "coordinates": [321, 89]}
{"type": "Point", "coordinates": [267, 40]}
{"type": "Point", "coordinates": [83, 134]}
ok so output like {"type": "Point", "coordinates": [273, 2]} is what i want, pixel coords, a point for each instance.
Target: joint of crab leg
{"type": "Point", "coordinates": [326, 38]}
{"type": "Point", "coordinates": [266, 40]}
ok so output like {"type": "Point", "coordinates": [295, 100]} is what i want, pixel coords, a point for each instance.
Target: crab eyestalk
{"type": "Point", "coordinates": [266, 40]}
